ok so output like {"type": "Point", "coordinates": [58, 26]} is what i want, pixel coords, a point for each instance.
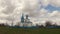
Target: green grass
{"type": "Point", "coordinates": [7, 30]}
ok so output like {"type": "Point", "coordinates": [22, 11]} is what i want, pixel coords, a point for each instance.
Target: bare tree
{"type": "Point", "coordinates": [48, 23]}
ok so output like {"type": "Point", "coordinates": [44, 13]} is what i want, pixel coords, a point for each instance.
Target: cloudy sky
{"type": "Point", "coordinates": [39, 11]}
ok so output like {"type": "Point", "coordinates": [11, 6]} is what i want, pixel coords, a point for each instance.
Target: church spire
{"type": "Point", "coordinates": [22, 18]}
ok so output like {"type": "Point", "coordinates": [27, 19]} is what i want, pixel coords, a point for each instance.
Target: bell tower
{"type": "Point", "coordinates": [22, 18]}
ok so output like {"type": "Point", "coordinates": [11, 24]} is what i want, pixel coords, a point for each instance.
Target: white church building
{"type": "Point", "coordinates": [25, 21]}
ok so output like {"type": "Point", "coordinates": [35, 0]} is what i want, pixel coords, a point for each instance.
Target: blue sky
{"type": "Point", "coordinates": [52, 8]}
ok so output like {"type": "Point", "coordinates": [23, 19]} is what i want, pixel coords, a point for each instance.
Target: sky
{"type": "Point", "coordinates": [39, 11]}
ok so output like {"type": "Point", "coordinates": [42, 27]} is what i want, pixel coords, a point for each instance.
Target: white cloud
{"type": "Point", "coordinates": [45, 2]}
{"type": "Point", "coordinates": [55, 3]}
{"type": "Point", "coordinates": [55, 14]}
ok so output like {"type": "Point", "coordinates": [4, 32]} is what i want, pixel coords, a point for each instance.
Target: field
{"type": "Point", "coordinates": [7, 30]}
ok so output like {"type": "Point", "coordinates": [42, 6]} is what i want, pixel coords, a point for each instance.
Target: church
{"type": "Point", "coordinates": [25, 21]}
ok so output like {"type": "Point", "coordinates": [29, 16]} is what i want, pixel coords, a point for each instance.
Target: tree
{"type": "Point", "coordinates": [48, 23]}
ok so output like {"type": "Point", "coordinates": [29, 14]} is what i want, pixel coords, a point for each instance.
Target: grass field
{"type": "Point", "coordinates": [7, 30]}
